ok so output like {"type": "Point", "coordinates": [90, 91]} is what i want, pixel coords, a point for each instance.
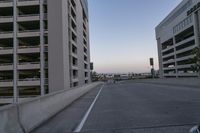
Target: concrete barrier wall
{"type": "Point", "coordinates": [28, 115]}
{"type": "Point", "coordinates": [189, 82]}
{"type": "Point", "coordinates": [9, 122]}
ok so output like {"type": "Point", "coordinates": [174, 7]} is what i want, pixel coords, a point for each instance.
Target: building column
{"type": "Point", "coordinates": [176, 65]}
{"type": "Point", "coordinates": [58, 48]}
{"type": "Point", "coordinates": [70, 46]}
{"type": "Point", "coordinates": [42, 58]}
{"type": "Point", "coordinates": [15, 54]}
{"type": "Point", "coordinates": [196, 18]}
{"type": "Point", "coordinates": [159, 47]}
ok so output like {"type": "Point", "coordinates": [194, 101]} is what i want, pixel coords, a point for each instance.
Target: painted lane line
{"type": "Point", "coordinates": [81, 124]}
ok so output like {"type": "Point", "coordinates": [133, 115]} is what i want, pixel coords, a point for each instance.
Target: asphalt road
{"type": "Point", "coordinates": [130, 107]}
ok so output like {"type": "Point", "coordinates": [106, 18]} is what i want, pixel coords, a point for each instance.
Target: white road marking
{"type": "Point", "coordinates": [81, 124]}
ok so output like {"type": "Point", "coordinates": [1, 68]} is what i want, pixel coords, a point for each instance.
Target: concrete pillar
{"type": "Point", "coordinates": [160, 58]}
{"type": "Point", "coordinates": [42, 58]}
{"type": "Point", "coordinates": [176, 65]}
{"type": "Point", "coordinates": [196, 18]}
{"type": "Point", "coordinates": [58, 45]}
{"type": "Point", "coordinates": [15, 54]}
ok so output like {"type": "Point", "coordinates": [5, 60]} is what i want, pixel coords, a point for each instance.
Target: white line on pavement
{"type": "Point", "coordinates": [81, 124]}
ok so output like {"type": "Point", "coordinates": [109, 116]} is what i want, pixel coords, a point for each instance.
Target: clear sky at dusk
{"type": "Point", "coordinates": [122, 33]}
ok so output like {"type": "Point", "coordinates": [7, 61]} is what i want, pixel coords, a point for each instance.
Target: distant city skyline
{"type": "Point", "coordinates": [122, 33]}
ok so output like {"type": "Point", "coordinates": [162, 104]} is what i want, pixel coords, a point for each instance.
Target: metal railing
{"type": "Point", "coordinates": [25, 79]}
{"type": "Point", "coordinates": [5, 48]}
{"type": "Point", "coordinates": [28, 96]}
{"type": "Point", "coordinates": [29, 63]}
{"type": "Point", "coordinates": [20, 47]}
{"type": "Point", "coordinates": [28, 15]}
{"type": "Point", "coordinates": [25, 47]}
{"type": "Point", "coordinates": [27, 0]}
{"type": "Point", "coordinates": [5, 1]}
{"type": "Point", "coordinates": [29, 79]}
{"type": "Point", "coordinates": [6, 64]}
{"type": "Point", "coordinates": [6, 80]}
{"type": "Point", "coordinates": [6, 32]}
{"type": "Point", "coordinates": [23, 63]}
{"type": "Point", "coordinates": [25, 31]}
{"type": "Point", "coordinates": [6, 17]}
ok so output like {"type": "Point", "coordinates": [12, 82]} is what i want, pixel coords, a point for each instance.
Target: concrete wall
{"type": "Point", "coordinates": [59, 63]}
{"type": "Point", "coordinates": [28, 115]}
{"type": "Point", "coordinates": [187, 82]}
{"type": "Point", "coordinates": [58, 55]}
{"type": "Point", "coordinates": [80, 44]}
{"type": "Point", "coordinates": [9, 122]}
{"type": "Point", "coordinates": [175, 23]}
{"type": "Point", "coordinates": [160, 60]}
{"type": "Point", "coordinates": [79, 18]}
{"type": "Point", "coordinates": [165, 30]}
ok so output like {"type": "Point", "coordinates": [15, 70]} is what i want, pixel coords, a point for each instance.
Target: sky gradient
{"type": "Point", "coordinates": [122, 33]}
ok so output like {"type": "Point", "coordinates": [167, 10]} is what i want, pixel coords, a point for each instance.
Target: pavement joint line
{"type": "Point", "coordinates": [84, 119]}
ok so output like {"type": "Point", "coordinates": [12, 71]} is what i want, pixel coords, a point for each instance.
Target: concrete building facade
{"type": "Point", "coordinates": [44, 47]}
{"type": "Point", "coordinates": [177, 35]}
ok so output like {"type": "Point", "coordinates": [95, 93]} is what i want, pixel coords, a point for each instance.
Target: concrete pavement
{"type": "Point", "coordinates": [131, 107]}
{"type": "Point", "coordinates": [66, 120]}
